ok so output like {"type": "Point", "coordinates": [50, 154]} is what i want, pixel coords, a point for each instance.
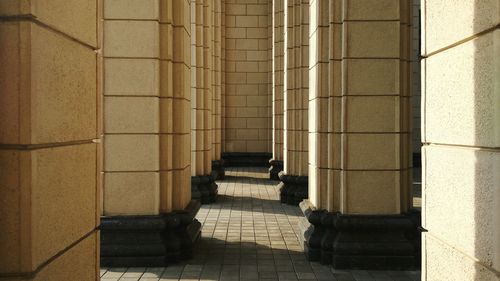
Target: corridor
{"type": "Point", "coordinates": [248, 235]}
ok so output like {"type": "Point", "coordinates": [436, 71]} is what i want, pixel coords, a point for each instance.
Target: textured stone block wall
{"type": "Point", "coordinates": [461, 135]}
{"type": "Point", "coordinates": [247, 101]}
{"type": "Point", "coordinates": [49, 139]}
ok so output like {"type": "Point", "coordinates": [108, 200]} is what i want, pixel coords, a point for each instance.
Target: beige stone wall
{"type": "Point", "coordinates": [461, 135]}
{"type": "Point", "coordinates": [359, 106]}
{"type": "Point", "coordinates": [49, 135]}
{"type": "Point", "coordinates": [247, 101]}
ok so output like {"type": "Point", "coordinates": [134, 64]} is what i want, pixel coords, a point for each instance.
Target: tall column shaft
{"type": "Point", "coordinates": [50, 135]}
{"type": "Point", "coordinates": [217, 162]}
{"type": "Point", "coordinates": [296, 88]}
{"type": "Point", "coordinates": [223, 75]}
{"type": "Point", "coordinates": [216, 81]}
{"type": "Point", "coordinates": [375, 164]}
{"type": "Point", "coordinates": [277, 88]}
{"type": "Point", "coordinates": [290, 81]}
{"type": "Point", "coordinates": [175, 83]}
{"type": "Point", "coordinates": [132, 110]}
{"type": "Point", "coordinates": [324, 77]}
{"type": "Point", "coordinates": [207, 87]}
{"type": "Point", "coordinates": [203, 186]}
{"type": "Point", "coordinates": [361, 124]}
{"type": "Point", "coordinates": [295, 102]}
{"type": "Point", "coordinates": [197, 90]}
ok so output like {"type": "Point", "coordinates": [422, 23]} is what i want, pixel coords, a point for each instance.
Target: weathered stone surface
{"type": "Point", "coordinates": [75, 18]}
{"type": "Point", "coordinates": [136, 193]}
{"type": "Point", "coordinates": [131, 9]}
{"type": "Point", "coordinates": [50, 87]}
{"type": "Point", "coordinates": [134, 77]}
{"type": "Point", "coordinates": [51, 188]}
{"type": "Point", "coordinates": [470, 177]}
{"type": "Point", "coordinates": [447, 23]}
{"type": "Point", "coordinates": [131, 153]}
{"type": "Point", "coordinates": [131, 115]}
{"type": "Point", "coordinates": [460, 96]}
{"type": "Point", "coordinates": [131, 39]}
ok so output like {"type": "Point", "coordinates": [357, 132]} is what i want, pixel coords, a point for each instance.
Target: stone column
{"type": "Point", "coordinates": [268, 66]}
{"type": "Point", "coordinates": [358, 215]}
{"type": "Point", "coordinates": [415, 86]}
{"type": "Point", "coordinates": [203, 184]}
{"type": "Point", "coordinates": [217, 162]}
{"type": "Point", "coordinates": [277, 89]}
{"type": "Point", "coordinates": [223, 76]}
{"type": "Point", "coordinates": [461, 136]}
{"type": "Point", "coordinates": [148, 214]}
{"type": "Point", "coordinates": [295, 135]}
{"type": "Point", "coordinates": [49, 140]}
{"type": "Point", "coordinates": [324, 94]}
{"type": "Point", "coordinates": [178, 116]}
{"type": "Point", "coordinates": [207, 86]}
{"type": "Point", "coordinates": [131, 110]}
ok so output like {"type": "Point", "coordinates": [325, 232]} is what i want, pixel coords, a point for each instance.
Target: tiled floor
{"type": "Point", "coordinates": [249, 235]}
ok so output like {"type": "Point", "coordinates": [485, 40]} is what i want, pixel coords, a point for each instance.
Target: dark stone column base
{"type": "Point", "coordinates": [246, 159]}
{"type": "Point", "coordinates": [293, 189]}
{"type": "Point", "coordinates": [204, 189]}
{"type": "Point", "coordinates": [218, 172]}
{"type": "Point", "coordinates": [145, 241]}
{"type": "Point", "coordinates": [378, 242]}
{"type": "Point", "coordinates": [276, 167]}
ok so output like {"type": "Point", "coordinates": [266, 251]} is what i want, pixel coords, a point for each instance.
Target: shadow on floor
{"type": "Point", "coordinates": [225, 260]}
